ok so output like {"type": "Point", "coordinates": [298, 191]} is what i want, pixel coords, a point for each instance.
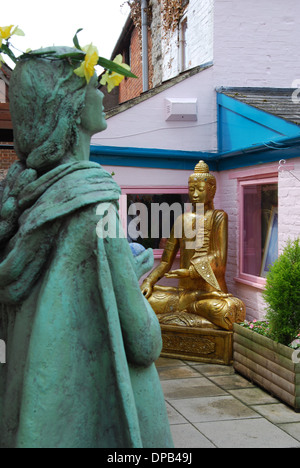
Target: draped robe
{"type": "Point", "coordinates": [81, 340]}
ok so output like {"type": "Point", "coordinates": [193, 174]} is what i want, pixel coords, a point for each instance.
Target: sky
{"type": "Point", "coordinates": [56, 21]}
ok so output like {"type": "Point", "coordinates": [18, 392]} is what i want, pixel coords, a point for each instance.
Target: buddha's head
{"type": "Point", "coordinates": [202, 186]}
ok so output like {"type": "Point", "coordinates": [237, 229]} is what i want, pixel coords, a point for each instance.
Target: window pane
{"type": "Point", "coordinates": [151, 217]}
{"type": "Point", "coordinates": [260, 235]}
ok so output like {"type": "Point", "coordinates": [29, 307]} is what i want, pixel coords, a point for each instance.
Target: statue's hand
{"type": "Point", "coordinates": [182, 273]}
{"type": "Point", "coordinates": [143, 259]}
{"type": "Point", "coordinates": [147, 288]}
{"type": "Point", "coordinates": [144, 262]}
{"type": "Point", "coordinates": [217, 294]}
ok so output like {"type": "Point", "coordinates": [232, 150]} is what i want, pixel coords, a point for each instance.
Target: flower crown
{"type": "Point", "coordinates": [84, 61]}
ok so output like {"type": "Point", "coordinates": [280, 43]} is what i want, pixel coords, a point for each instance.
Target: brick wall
{"type": "Point", "coordinates": [7, 157]}
{"type": "Point", "coordinates": [132, 87]}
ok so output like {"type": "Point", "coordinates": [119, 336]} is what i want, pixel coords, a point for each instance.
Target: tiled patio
{"type": "Point", "coordinates": [210, 406]}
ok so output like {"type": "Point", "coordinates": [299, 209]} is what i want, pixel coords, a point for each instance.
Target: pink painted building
{"type": "Point", "coordinates": [240, 112]}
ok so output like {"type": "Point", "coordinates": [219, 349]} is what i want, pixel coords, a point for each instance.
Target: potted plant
{"type": "Point", "coordinates": [266, 352]}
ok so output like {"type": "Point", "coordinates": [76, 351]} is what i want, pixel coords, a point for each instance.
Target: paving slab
{"type": "Point", "coordinates": [211, 406]}
{"type": "Point", "coordinates": [166, 362]}
{"type": "Point", "coordinates": [230, 382]}
{"type": "Point", "coordinates": [174, 416]}
{"type": "Point", "coordinates": [253, 396]}
{"type": "Point", "coordinates": [190, 388]}
{"type": "Point", "coordinates": [246, 433]}
{"type": "Point", "coordinates": [187, 436]}
{"type": "Point", "coordinates": [293, 429]}
{"type": "Point", "coordinates": [213, 369]}
{"type": "Point", "coordinates": [178, 372]}
{"type": "Point", "coordinates": [278, 413]}
{"type": "Point", "coordinates": [213, 409]}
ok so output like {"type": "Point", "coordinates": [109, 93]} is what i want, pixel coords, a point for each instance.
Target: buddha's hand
{"type": "Point", "coordinates": [147, 288]}
{"type": "Point", "coordinates": [182, 273]}
{"type": "Point", "coordinates": [217, 294]}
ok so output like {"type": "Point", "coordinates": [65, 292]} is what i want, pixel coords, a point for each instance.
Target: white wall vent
{"type": "Point", "coordinates": [181, 109]}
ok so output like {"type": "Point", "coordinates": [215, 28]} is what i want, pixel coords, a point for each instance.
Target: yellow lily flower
{"type": "Point", "coordinates": [17, 32]}
{"type": "Point", "coordinates": [114, 79]}
{"type": "Point", "coordinates": [7, 31]}
{"type": "Point", "coordinates": [87, 68]}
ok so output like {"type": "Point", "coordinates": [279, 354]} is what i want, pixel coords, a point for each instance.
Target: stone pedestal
{"type": "Point", "coordinates": [197, 344]}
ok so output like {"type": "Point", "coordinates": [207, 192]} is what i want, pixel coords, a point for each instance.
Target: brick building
{"type": "Point", "coordinates": [7, 154]}
{"type": "Point", "coordinates": [129, 46]}
{"type": "Point", "coordinates": [169, 51]}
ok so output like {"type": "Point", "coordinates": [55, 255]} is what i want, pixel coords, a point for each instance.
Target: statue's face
{"type": "Point", "coordinates": [199, 192]}
{"type": "Point", "coordinates": [92, 117]}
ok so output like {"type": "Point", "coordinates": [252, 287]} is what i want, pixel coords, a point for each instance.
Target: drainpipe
{"type": "Point", "coordinates": [144, 7]}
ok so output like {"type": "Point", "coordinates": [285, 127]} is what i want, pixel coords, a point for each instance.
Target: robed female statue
{"type": "Point", "coordinates": [81, 339]}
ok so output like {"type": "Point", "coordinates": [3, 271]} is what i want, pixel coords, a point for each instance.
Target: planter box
{"type": "Point", "coordinates": [269, 364]}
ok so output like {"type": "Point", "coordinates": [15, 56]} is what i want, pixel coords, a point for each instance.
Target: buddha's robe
{"type": "Point", "coordinates": [201, 299]}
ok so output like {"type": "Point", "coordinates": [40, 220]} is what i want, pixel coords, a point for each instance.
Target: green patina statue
{"type": "Point", "coordinates": [81, 338]}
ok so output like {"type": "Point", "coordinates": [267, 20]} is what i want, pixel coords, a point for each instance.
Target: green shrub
{"type": "Point", "coordinates": [282, 294]}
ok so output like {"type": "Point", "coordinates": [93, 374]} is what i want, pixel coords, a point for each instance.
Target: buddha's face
{"type": "Point", "coordinates": [92, 117]}
{"type": "Point", "coordinates": [199, 192]}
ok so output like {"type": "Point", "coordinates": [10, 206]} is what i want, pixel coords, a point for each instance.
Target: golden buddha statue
{"type": "Point", "coordinates": [201, 298]}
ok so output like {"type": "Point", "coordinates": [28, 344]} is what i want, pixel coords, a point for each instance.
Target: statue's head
{"type": "Point", "coordinates": [50, 105]}
{"type": "Point", "coordinates": [202, 185]}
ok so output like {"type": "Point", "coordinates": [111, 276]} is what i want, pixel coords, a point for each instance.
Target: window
{"type": "Point", "coordinates": [258, 228]}
{"type": "Point", "coordinates": [148, 214]}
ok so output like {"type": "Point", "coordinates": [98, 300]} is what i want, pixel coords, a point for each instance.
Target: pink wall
{"type": "Point", "coordinates": [289, 223]}
{"type": "Point", "coordinates": [289, 205]}
{"type": "Point", "coordinates": [145, 125]}
{"type": "Point", "coordinates": [228, 201]}
{"type": "Point", "coordinates": [148, 177]}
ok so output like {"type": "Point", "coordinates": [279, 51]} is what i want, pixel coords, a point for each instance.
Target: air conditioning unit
{"type": "Point", "coordinates": [181, 109]}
